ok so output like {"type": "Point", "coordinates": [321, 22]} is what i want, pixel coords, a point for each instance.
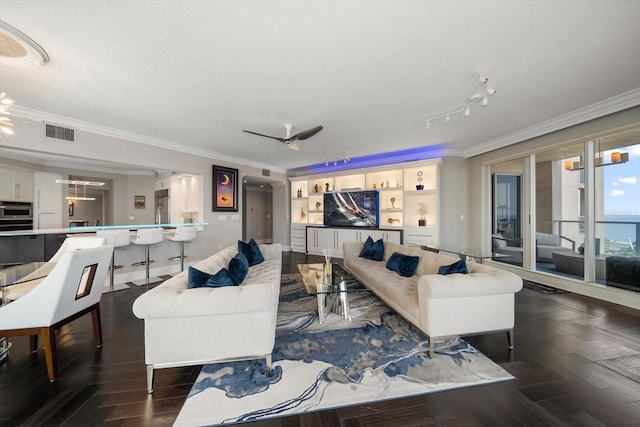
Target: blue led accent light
{"type": "Point", "coordinates": [381, 159]}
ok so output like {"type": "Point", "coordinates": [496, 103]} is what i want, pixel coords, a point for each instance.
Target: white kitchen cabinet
{"type": "Point", "coordinates": [47, 208]}
{"type": "Point", "coordinates": [16, 185]}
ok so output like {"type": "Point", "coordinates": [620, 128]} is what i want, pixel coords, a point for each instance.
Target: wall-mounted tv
{"type": "Point", "coordinates": [351, 209]}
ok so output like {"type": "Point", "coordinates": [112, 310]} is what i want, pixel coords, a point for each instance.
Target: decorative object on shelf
{"type": "Point", "coordinates": [327, 187]}
{"type": "Point", "coordinates": [315, 187]}
{"type": "Point", "coordinates": [422, 211]}
{"type": "Point", "coordinates": [290, 140]}
{"type": "Point", "coordinates": [419, 186]}
{"type": "Point", "coordinates": [387, 183]}
{"type": "Point", "coordinates": [397, 184]}
{"type": "Point", "coordinates": [393, 220]}
{"type": "Point", "coordinates": [466, 108]}
{"type": "Point", "coordinates": [318, 206]}
{"type": "Point", "coordinates": [382, 184]}
{"type": "Point", "coordinates": [393, 203]}
{"type": "Point", "coordinates": [225, 189]}
{"type": "Point", "coordinates": [374, 186]}
{"type": "Point", "coordinates": [299, 192]}
{"type": "Point", "coordinates": [303, 215]}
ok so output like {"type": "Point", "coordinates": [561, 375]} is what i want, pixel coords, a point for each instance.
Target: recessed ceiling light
{"type": "Point", "coordinates": [18, 49]}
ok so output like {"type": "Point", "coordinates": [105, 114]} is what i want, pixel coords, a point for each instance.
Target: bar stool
{"type": "Point", "coordinates": [183, 234]}
{"type": "Point", "coordinates": [147, 237]}
{"type": "Point", "coordinates": [119, 238]}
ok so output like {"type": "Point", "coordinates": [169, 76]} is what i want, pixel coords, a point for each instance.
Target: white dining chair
{"type": "Point", "coordinates": [72, 289]}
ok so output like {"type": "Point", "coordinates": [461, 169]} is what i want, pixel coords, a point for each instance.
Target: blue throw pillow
{"type": "Point", "coordinates": [456, 267]}
{"type": "Point", "coordinates": [197, 278]}
{"type": "Point", "coordinates": [238, 268]}
{"type": "Point", "coordinates": [404, 265]}
{"type": "Point", "coordinates": [373, 250]}
{"type": "Point", "coordinates": [220, 279]}
{"type": "Point", "coordinates": [252, 251]}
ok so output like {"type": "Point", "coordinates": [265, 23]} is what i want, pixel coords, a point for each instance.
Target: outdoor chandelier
{"type": "Point", "coordinates": [482, 97]}
{"type": "Point", "coordinates": [616, 158]}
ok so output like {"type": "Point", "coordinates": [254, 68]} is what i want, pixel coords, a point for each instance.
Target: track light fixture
{"type": "Point", "coordinates": [480, 97]}
{"type": "Point", "coordinates": [346, 159]}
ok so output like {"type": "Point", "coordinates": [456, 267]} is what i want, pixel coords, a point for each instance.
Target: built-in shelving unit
{"type": "Point", "coordinates": [403, 204]}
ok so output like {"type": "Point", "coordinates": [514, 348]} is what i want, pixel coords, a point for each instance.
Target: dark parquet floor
{"type": "Point", "coordinates": [576, 362]}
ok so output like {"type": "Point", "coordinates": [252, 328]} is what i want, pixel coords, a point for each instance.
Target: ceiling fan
{"type": "Point", "coordinates": [289, 140]}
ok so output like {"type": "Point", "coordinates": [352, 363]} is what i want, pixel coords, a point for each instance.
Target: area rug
{"type": "Point", "coordinates": [375, 356]}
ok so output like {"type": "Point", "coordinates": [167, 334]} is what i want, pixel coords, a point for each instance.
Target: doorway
{"type": "Point", "coordinates": [257, 202]}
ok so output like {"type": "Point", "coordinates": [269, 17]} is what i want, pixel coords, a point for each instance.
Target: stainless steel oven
{"type": "Point", "coordinates": [16, 216]}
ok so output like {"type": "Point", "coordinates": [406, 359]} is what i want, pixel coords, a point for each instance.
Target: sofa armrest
{"type": "Point", "coordinates": [167, 301]}
{"type": "Point", "coordinates": [271, 251]}
{"type": "Point", "coordinates": [351, 249]}
{"type": "Point", "coordinates": [494, 282]}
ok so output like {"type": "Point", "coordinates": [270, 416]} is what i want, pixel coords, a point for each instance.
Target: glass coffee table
{"type": "Point", "coordinates": [331, 284]}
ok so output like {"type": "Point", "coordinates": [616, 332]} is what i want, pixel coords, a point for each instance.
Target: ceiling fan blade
{"type": "Point", "coordinates": [305, 134]}
{"type": "Point", "coordinates": [266, 136]}
{"type": "Point", "coordinates": [292, 146]}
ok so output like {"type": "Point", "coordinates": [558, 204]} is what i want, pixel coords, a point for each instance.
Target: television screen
{"type": "Point", "coordinates": [351, 209]}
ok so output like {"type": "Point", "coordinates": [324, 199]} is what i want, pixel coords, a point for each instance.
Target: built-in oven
{"type": "Point", "coordinates": [16, 216]}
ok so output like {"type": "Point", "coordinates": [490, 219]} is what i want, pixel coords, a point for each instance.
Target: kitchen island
{"type": "Point", "coordinates": [24, 246]}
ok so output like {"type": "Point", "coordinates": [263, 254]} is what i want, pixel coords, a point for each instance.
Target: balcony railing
{"type": "Point", "coordinates": [608, 245]}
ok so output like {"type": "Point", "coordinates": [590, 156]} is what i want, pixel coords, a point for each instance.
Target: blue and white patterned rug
{"type": "Point", "coordinates": [375, 356]}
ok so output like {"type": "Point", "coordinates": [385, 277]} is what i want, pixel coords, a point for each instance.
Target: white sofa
{"type": "Point", "coordinates": [482, 301]}
{"type": "Point", "coordinates": [185, 327]}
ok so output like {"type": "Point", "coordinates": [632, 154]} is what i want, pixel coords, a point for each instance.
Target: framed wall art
{"type": "Point", "coordinates": [225, 189]}
{"type": "Point", "coordinates": [139, 202]}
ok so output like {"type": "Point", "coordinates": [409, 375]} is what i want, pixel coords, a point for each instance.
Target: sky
{"type": "Point", "coordinates": [622, 184]}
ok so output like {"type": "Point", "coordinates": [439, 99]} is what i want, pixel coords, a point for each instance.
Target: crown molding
{"type": "Point", "coordinates": [599, 109]}
{"type": "Point", "coordinates": [36, 115]}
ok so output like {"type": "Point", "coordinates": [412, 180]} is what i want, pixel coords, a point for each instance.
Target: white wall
{"type": "Point", "coordinates": [224, 229]}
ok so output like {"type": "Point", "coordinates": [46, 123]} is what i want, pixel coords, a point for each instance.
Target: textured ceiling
{"type": "Point", "coordinates": [197, 73]}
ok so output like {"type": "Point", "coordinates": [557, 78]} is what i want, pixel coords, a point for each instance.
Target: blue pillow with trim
{"type": "Point", "coordinates": [373, 250]}
{"type": "Point", "coordinates": [404, 265]}
{"type": "Point", "coordinates": [456, 267]}
{"type": "Point", "coordinates": [252, 251]}
{"type": "Point", "coordinates": [220, 279]}
{"type": "Point", "coordinates": [238, 268]}
{"type": "Point", "coordinates": [197, 278]}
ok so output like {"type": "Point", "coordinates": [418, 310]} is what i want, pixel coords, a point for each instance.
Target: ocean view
{"type": "Point", "coordinates": [620, 232]}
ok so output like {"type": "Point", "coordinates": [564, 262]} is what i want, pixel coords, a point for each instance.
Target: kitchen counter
{"type": "Point", "coordinates": [169, 228]}
{"type": "Point", "coordinates": [22, 246]}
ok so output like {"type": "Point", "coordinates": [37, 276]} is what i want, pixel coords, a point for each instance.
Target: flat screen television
{"type": "Point", "coordinates": [352, 209]}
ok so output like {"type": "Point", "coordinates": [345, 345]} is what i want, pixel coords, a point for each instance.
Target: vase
{"type": "Point", "coordinates": [420, 187]}
{"type": "Point", "coordinates": [327, 270]}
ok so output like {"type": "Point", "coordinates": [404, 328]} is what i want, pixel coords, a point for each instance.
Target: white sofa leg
{"type": "Point", "coordinates": [510, 338]}
{"type": "Point", "coordinates": [269, 361]}
{"type": "Point", "coordinates": [149, 378]}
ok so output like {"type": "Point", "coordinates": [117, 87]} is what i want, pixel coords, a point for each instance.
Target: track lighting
{"type": "Point", "coordinates": [466, 108]}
